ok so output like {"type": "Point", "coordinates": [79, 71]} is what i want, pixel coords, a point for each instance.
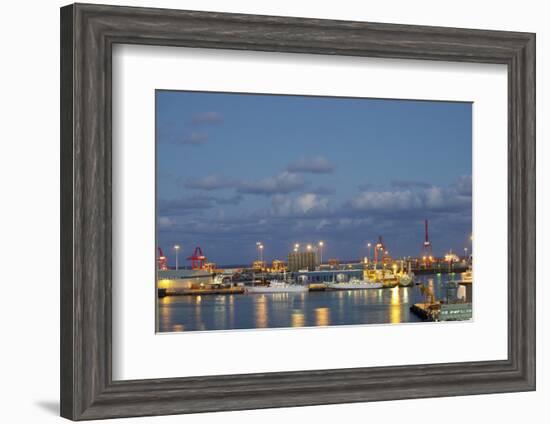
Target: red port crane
{"type": "Point", "coordinates": [197, 259]}
{"type": "Point", "coordinates": [379, 247]}
{"type": "Point", "coordinates": [162, 261]}
{"type": "Point", "coordinates": [427, 246]}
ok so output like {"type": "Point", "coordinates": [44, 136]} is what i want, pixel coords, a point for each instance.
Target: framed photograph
{"type": "Point", "coordinates": [263, 211]}
{"type": "Point", "coordinates": [327, 183]}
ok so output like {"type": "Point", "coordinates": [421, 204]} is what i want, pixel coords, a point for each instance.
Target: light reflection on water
{"type": "Point", "coordinates": [261, 311]}
{"type": "Point", "coordinates": [298, 319]}
{"type": "Point", "coordinates": [395, 305]}
{"type": "Point", "coordinates": [276, 310]}
{"type": "Point", "coordinates": [322, 316]}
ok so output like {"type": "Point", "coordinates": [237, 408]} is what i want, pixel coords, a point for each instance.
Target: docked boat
{"type": "Point", "coordinates": [385, 277]}
{"type": "Point", "coordinates": [406, 279]}
{"type": "Point", "coordinates": [388, 278]}
{"type": "Point", "coordinates": [354, 284]}
{"type": "Point", "coordinates": [221, 279]}
{"type": "Point", "coordinates": [467, 277]}
{"type": "Point", "coordinates": [277, 286]}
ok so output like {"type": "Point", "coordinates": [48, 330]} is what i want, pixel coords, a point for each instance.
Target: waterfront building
{"type": "Point", "coordinates": [278, 266]}
{"type": "Point", "coordinates": [302, 260]}
{"type": "Point", "coordinates": [258, 266]}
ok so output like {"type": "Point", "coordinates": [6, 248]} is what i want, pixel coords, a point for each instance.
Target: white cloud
{"type": "Point", "coordinates": [464, 185]}
{"type": "Point", "coordinates": [285, 182]}
{"type": "Point", "coordinates": [409, 184]}
{"type": "Point", "coordinates": [304, 204]}
{"type": "Point", "coordinates": [165, 222]}
{"type": "Point", "coordinates": [315, 165]}
{"type": "Point", "coordinates": [210, 182]}
{"type": "Point", "coordinates": [432, 198]}
{"type": "Point", "coordinates": [207, 118]}
{"type": "Point", "coordinates": [310, 201]}
{"type": "Point", "coordinates": [381, 200]}
{"type": "Point", "coordinates": [194, 138]}
{"type": "Point", "coordinates": [435, 197]}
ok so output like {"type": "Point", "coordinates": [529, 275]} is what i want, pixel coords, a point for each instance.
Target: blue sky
{"type": "Point", "coordinates": [234, 169]}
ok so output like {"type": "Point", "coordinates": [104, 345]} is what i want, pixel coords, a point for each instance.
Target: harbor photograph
{"type": "Point", "coordinates": [286, 211]}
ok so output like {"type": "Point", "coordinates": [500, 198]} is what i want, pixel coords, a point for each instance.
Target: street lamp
{"type": "Point", "coordinates": [321, 244]}
{"type": "Point", "coordinates": [466, 253]}
{"type": "Point", "coordinates": [309, 247]}
{"type": "Point", "coordinates": [261, 253]}
{"type": "Point", "coordinates": [177, 249]}
{"type": "Point", "coordinates": [260, 247]}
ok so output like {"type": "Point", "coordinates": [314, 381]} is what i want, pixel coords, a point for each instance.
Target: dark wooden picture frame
{"type": "Point", "coordinates": [88, 33]}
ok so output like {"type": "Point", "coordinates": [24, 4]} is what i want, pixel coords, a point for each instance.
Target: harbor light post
{"type": "Point", "coordinates": [177, 249]}
{"type": "Point", "coordinates": [260, 247]}
{"type": "Point", "coordinates": [466, 254]}
{"type": "Point", "coordinates": [321, 244]}
{"type": "Point", "coordinates": [262, 254]}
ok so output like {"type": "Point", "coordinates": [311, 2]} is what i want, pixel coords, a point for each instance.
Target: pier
{"type": "Point", "coordinates": [437, 311]}
{"type": "Point", "coordinates": [317, 287]}
{"type": "Point", "coordinates": [440, 268]}
{"type": "Point", "coordinates": [426, 311]}
{"type": "Point", "coordinates": [200, 291]}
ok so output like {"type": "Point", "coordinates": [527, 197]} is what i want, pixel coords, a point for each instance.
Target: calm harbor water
{"type": "Point", "coordinates": [276, 310]}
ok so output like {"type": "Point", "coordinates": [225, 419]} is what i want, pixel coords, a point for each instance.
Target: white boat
{"type": "Point", "coordinates": [277, 286]}
{"type": "Point", "coordinates": [386, 277]}
{"type": "Point", "coordinates": [461, 293]}
{"type": "Point", "coordinates": [354, 284]}
{"type": "Point", "coordinates": [467, 277]}
{"type": "Point", "coordinates": [220, 279]}
{"type": "Point", "coordinates": [406, 280]}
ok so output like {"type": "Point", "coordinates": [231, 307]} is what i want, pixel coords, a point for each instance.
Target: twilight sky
{"type": "Point", "coordinates": [234, 169]}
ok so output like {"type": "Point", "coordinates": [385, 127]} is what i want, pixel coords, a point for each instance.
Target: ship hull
{"type": "Point", "coordinates": [406, 281]}
{"type": "Point", "coordinates": [355, 286]}
{"type": "Point", "coordinates": [267, 289]}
